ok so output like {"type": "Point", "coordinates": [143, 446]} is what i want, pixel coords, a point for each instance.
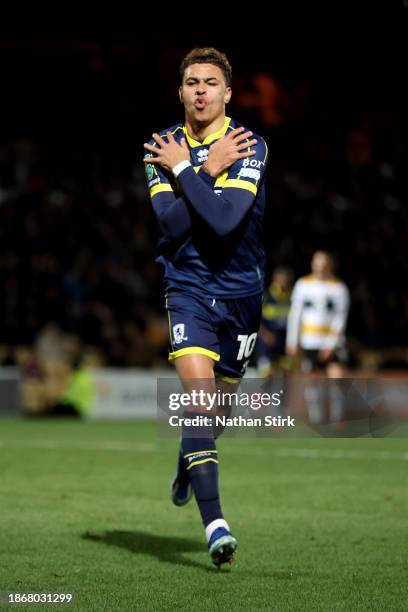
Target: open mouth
{"type": "Point", "coordinates": [199, 104]}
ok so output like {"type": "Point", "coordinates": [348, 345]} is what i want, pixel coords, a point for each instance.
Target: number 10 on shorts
{"type": "Point", "coordinates": [247, 344]}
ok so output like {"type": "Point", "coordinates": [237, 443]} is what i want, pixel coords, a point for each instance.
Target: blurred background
{"type": "Point", "coordinates": [79, 284]}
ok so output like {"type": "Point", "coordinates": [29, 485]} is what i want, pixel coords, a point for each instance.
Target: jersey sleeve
{"type": "Point", "coordinates": [245, 174]}
{"type": "Point", "coordinates": [224, 208]}
{"type": "Point", "coordinates": [171, 211]}
{"type": "Point", "coordinates": [158, 181]}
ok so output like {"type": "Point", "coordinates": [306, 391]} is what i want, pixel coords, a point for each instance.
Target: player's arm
{"type": "Point", "coordinates": [294, 317]}
{"type": "Point", "coordinates": [172, 212]}
{"type": "Point", "coordinates": [339, 319]}
{"type": "Point", "coordinates": [222, 213]}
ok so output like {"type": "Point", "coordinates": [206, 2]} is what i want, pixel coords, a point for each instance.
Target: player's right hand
{"type": "Point", "coordinates": [228, 149]}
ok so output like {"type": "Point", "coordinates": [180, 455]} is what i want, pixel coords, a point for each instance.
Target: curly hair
{"type": "Point", "coordinates": [207, 55]}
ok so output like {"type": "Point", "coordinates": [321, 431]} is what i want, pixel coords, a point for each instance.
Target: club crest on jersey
{"type": "Point", "coordinates": [178, 333]}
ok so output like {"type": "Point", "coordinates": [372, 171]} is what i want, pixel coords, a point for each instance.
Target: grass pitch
{"type": "Point", "coordinates": [321, 524]}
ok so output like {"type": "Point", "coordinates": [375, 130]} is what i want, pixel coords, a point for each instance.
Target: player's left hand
{"type": "Point", "coordinates": [167, 154]}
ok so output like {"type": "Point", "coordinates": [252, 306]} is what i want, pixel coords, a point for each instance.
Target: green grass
{"type": "Point", "coordinates": [321, 523]}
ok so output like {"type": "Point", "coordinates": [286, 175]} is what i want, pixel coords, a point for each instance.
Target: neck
{"type": "Point", "coordinates": [199, 130]}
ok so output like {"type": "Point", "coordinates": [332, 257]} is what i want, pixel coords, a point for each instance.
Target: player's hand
{"type": "Point", "coordinates": [292, 351]}
{"type": "Point", "coordinates": [227, 150]}
{"type": "Point", "coordinates": [167, 154]}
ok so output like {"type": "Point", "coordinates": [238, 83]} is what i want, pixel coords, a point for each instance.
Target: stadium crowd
{"type": "Point", "coordinates": [78, 235]}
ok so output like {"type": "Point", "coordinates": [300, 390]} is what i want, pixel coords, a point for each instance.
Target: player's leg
{"type": "Point", "coordinates": [195, 349]}
{"type": "Point", "coordinates": [189, 368]}
{"type": "Point", "coordinates": [200, 454]}
{"type": "Point", "coordinates": [191, 335]}
{"type": "Point", "coordinates": [314, 387]}
{"type": "Point", "coordinates": [336, 370]}
{"type": "Point", "coordinates": [239, 322]}
{"type": "Point", "coordinates": [192, 369]}
{"type": "Point", "coordinates": [320, 389]}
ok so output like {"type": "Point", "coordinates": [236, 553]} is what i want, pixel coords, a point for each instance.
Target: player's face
{"type": "Point", "coordinates": [321, 263]}
{"type": "Point", "coordinates": [204, 93]}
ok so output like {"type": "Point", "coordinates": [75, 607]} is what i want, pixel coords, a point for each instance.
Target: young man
{"type": "Point", "coordinates": [316, 324]}
{"type": "Point", "coordinates": [206, 181]}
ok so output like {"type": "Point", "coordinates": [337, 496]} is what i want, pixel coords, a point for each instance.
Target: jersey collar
{"type": "Point", "coordinates": [210, 138]}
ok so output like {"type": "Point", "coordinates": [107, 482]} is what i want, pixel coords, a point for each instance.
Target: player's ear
{"type": "Point", "coordinates": [181, 94]}
{"type": "Point", "coordinates": [227, 95]}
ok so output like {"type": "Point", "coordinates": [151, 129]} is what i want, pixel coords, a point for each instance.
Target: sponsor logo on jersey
{"type": "Point", "coordinates": [250, 173]}
{"type": "Point", "coordinates": [252, 163]}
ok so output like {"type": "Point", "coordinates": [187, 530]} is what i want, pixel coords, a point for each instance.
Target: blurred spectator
{"type": "Point", "coordinates": [77, 234]}
{"type": "Point", "coordinates": [271, 343]}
